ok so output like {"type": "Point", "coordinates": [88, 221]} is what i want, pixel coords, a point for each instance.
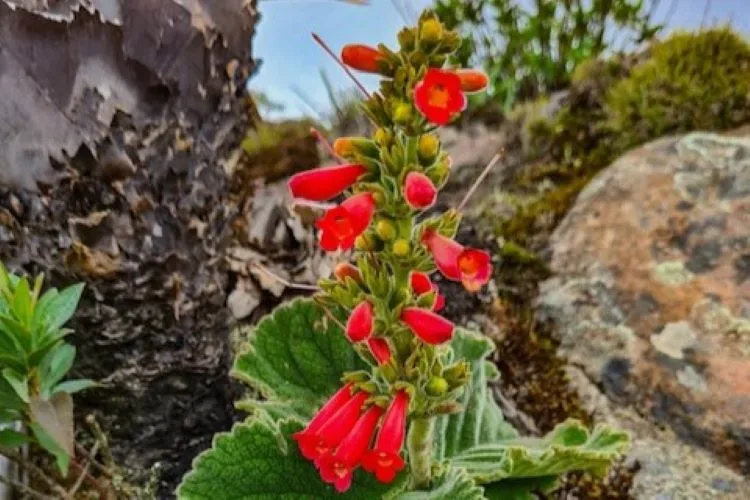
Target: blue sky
{"type": "Point", "coordinates": [291, 58]}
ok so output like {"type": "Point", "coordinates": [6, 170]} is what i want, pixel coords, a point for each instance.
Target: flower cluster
{"type": "Point", "coordinates": [391, 183]}
{"type": "Point", "coordinates": [338, 439]}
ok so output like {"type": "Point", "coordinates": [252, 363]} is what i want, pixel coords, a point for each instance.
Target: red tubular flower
{"type": "Point", "coordinates": [471, 80]}
{"type": "Point", "coordinates": [337, 468]}
{"type": "Point", "coordinates": [362, 57]}
{"type": "Point", "coordinates": [385, 458]}
{"type": "Point", "coordinates": [472, 267]}
{"type": "Point", "coordinates": [324, 183]}
{"type": "Point", "coordinates": [317, 444]}
{"type": "Point", "coordinates": [438, 96]}
{"type": "Point", "coordinates": [419, 191]}
{"type": "Point", "coordinates": [421, 284]}
{"type": "Point", "coordinates": [428, 326]}
{"type": "Point", "coordinates": [341, 225]}
{"type": "Point", "coordinates": [379, 349]}
{"type": "Point", "coordinates": [359, 324]}
{"type": "Point", "coordinates": [306, 437]}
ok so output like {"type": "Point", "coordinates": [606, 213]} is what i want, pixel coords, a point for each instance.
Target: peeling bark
{"type": "Point", "coordinates": [116, 123]}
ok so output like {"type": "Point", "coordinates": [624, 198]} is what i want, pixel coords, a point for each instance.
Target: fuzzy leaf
{"type": "Point", "coordinates": [257, 461]}
{"type": "Point", "coordinates": [519, 489]}
{"type": "Point", "coordinates": [568, 447]}
{"type": "Point", "coordinates": [296, 357]}
{"type": "Point", "coordinates": [480, 441]}
{"type": "Point", "coordinates": [450, 484]}
{"type": "Point", "coordinates": [481, 420]}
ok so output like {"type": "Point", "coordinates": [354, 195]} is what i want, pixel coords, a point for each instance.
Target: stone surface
{"type": "Point", "coordinates": [651, 289]}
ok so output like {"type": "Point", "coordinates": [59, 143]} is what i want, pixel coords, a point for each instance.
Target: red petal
{"type": "Point", "coordinates": [335, 429]}
{"type": "Point", "coordinates": [359, 324]}
{"type": "Point", "coordinates": [392, 430]}
{"type": "Point", "coordinates": [475, 267]}
{"type": "Point", "coordinates": [439, 302]}
{"type": "Point", "coordinates": [445, 253]}
{"type": "Point", "coordinates": [361, 207]}
{"type": "Point", "coordinates": [420, 282]}
{"type": "Point", "coordinates": [419, 191]}
{"type": "Point", "coordinates": [361, 57]}
{"type": "Point", "coordinates": [324, 183]}
{"type": "Point", "coordinates": [380, 350]}
{"type": "Point", "coordinates": [428, 326]}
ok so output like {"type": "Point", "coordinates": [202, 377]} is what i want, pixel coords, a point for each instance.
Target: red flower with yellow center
{"type": "Point", "coordinates": [472, 267]}
{"type": "Point", "coordinates": [438, 96]}
{"type": "Point", "coordinates": [341, 225]}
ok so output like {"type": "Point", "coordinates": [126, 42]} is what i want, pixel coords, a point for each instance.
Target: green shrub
{"type": "Point", "coordinates": [528, 52]}
{"type": "Point", "coordinates": [692, 81]}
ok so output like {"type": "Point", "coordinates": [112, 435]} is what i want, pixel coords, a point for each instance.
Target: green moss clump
{"type": "Point", "coordinates": [692, 81]}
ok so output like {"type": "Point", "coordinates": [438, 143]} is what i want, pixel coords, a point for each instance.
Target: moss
{"type": "Point", "coordinates": [690, 82]}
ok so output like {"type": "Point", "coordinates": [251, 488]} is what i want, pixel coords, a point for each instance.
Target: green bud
{"type": "Point", "coordinates": [439, 172]}
{"type": "Point", "coordinates": [379, 198]}
{"type": "Point", "coordinates": [385, 229]}
{"type": "Point", "coordinates": [430, 32]}
{"type": "Point", "coordinates": [388, 372]}
{"type": "Point", "coordinates": [368, 387]}
{"type": "Point", "coordinates": [457, 375]}
{"type": "Point", "coordinates": [428, 148]}
{"type": "Point", "coordinates": [356, 377]}
{"type": "Point", "coordinates": [382, 137]}
{"type": "Point", "coordinates": [406, 39]}
{"type": "Point", "coordinates": [402, 113]}
{"type": "Point", "coordinates": [401, 248]}
{"type": "Point", "coordinates": [365, 242]}
{"type": "Point", "coordinates": [437, 386]}
{"type": "Point", "coordinates": [427, 300]}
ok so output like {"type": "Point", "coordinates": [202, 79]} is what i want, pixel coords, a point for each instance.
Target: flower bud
{"type": "Point", "coordinates": [382, 137]}
{"type": "Point", "coordinates": [438, 173]}
{"type": "Point", "coordinates": [428, 148]}
{"type": "Point", "coordinates": [348, 147]}
{"type": "Point", "coordinates": [406, 39]}
{"type": "Point", "coordinates": [385, 230]}
{"type": "Point", "coordinates": [360, 322]}
{"type": "Point", "coordinates": [430, 32]}
{"type": "Point", "coordinates": [401, 248]}
{"type": "Point", "coordinates": [378, 197]}
{"type": "Point", "coordinates": [402, 113]}
{"type": "Point", "coordinates": [365, 242]}
{"type": "Point", "coordinates": [345, 270]}
{"type": "Point", "coordinates": [363, 58]}
{"type": "Point", "coordinates": [437, 386]}
{"type": "Point", "coordinates": [456, 375]}
{"type": "Point", "coordinates": [419, 191]}
{"type": "Point", "coordinates": [472, 80]}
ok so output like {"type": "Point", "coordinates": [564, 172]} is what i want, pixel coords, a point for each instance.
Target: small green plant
{"type": "Point", "coordinates": [529, 52]}
{"type": "Point", "coordinates": [34, 359]}
{"type": "Point", "coordinates": [367, 390]}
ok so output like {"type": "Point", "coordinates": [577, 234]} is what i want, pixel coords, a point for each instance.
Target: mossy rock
{"type": "Point", "coordinates": [691, 81]}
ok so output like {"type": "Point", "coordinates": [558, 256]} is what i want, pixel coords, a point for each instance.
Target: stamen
{"type": "Point", "coordinates": [286, 283]}
{"type": "Point", "coordinates": [312, 204]}
{"type": "Point", "coordinates": [494, 161]}
{"type": "Point", "coordinates": [340, 63]}
{"type": "Point", "coordinates": [326, 144]}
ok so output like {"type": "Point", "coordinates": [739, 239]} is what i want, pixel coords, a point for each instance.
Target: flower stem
{"type": "Point", "coordinates": [419, 446]}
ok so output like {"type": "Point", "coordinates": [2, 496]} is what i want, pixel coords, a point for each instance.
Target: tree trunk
{"type": "Point", "coordinates": [117, 123]}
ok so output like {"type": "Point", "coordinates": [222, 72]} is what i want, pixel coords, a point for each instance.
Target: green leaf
{"type": "Point", "coordinates": [296, 356]}
{"type": "Point", "coordinates": [62, 459]}
{"type": "Point", "coordinates": [73, 386]}
{"type": "Point", "coordinates": [22, 305]}
{"type": "Point", "coordinates": [569, 447]}
{"type": "Point", "coordinates": [55, 366]}
{"type": "Point", "coordinates": [10, 438]}
{"type": "Point", "coordinates": [19, 383]}
{"type": "Point", "coordinates": [481, 420]}
{"type": "Point", "coordinates": [479, 440]}
{"type": "Point", "coordinates": [519, 489]}
{"type": "Point", "coordinates": [9, 397]}
{"type": "Point", "coordinates": [256, 460]}
{"type": "Point", "coordinates": [450, 484]}
{"type": "Point", "coordinates": [14, 338]}
{"type": "Point", "coordinates": [63, 306]}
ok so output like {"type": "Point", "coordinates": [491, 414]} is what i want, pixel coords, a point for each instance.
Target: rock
{"type": "Point", "coordinates": [651, 294]}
